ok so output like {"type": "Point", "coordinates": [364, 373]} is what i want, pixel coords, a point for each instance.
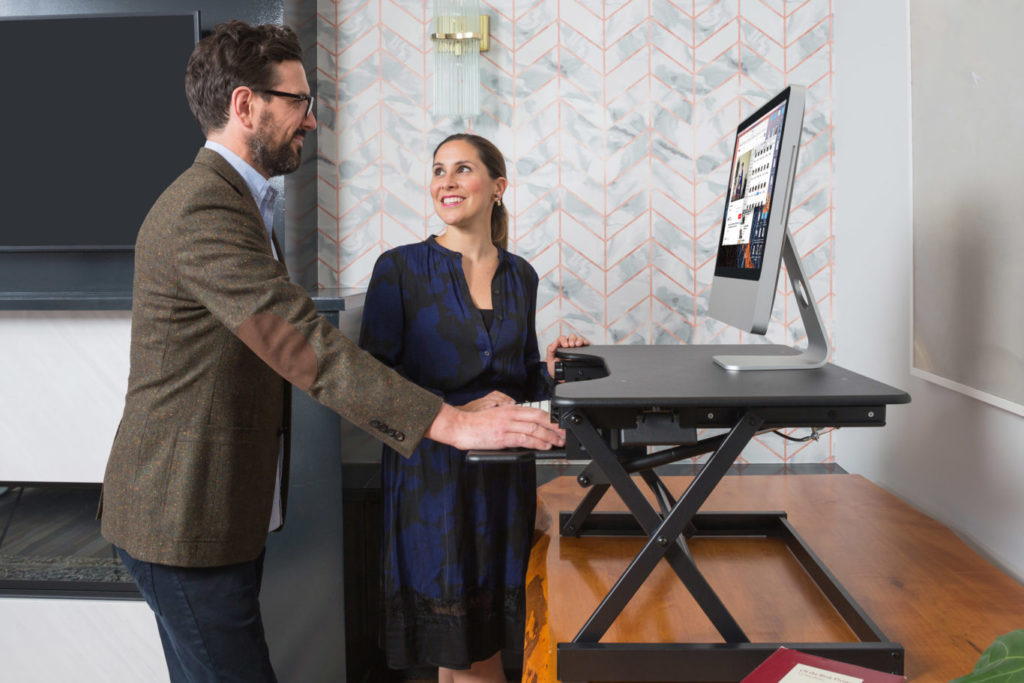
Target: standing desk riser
{"type": "Point", "coordinates": [616, 403]}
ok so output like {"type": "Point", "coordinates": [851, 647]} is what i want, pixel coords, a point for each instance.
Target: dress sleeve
{"type": "Point", "coordinates": [382, 332]}
{"type": "Point", "coordinates": [538, 381]}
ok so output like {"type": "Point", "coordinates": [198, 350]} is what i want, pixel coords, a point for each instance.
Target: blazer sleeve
{"type": "Point", "coordinates": [229, 269]}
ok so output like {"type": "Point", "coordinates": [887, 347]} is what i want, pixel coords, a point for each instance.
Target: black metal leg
{"type": "Point", "coordinates": [717, 466]}
{"type": "Point", "coordinates": [668, 525]}
{"type": "Point", "coordinates": [574, 524]}
{"type": "Point", "coordinates": [639, 569]}
{"type": "Point", "coordinates": [850, 611]}
{"type": "Point", "coordinates": [579, 521]}
{"type": "Point", "coordinates": [613, 470]}
{"type": "Point", "coordinates": [662, 534]}
{"type": "Point", "coordinates": [666, 501]}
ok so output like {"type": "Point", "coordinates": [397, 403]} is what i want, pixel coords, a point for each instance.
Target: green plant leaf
{"type": "Point", "coordinates": [1002, 662]}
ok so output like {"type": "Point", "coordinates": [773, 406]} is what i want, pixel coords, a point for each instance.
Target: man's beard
{"type": "Point", "coordinates": [274, 161]}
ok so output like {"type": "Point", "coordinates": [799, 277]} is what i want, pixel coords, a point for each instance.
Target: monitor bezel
{"type": "Point", "coordinates": [742, 297]}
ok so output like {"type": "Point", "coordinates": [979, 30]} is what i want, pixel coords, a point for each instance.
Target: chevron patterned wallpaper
{"type": "Point", "coordinates": [616, 119]}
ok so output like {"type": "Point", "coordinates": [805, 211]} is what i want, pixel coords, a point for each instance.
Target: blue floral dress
{"type": "Point", "coordinates": [457, 535]}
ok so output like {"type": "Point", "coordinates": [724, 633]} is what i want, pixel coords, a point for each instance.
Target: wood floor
{"type": "Point", "coordinates": [914, 578]}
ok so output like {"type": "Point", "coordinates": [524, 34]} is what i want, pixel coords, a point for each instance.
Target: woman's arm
{"type": "Point", "coordinates": [383, 326]}
{"type": "Point", "coordinates": [563, 342]}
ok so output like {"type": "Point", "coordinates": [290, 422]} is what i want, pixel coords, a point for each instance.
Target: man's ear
{"type": "Point", "coordinates": [243, 103]}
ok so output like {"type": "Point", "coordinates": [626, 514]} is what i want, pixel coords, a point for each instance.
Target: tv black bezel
{"type": "Point", "coordinates": [93, 248]}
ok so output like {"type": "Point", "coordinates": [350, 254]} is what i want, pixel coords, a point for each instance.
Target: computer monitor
{"type": "Point", "coordinates": [755, 238]}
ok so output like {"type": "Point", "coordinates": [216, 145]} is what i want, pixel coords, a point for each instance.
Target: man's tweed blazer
{"type": "Point", "coordinates": [216, 325]}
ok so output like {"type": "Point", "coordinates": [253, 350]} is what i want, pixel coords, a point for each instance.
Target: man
{"type": "Point", "coordinates": [198, 470]}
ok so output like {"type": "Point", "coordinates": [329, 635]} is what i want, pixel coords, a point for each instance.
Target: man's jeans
{"type": "Point", "coordinates": [209, 619]}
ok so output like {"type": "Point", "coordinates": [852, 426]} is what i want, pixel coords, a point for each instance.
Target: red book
{"type": "Point", "coordinates": [793, 666]}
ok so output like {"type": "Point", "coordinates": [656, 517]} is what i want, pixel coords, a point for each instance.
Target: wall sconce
{"type": "Point", "coordinates": [462, 34]}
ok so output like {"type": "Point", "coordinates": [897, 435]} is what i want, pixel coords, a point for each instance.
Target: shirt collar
{"type": "Point", "coordinates": [262, 191]}
{"type": "Point", "coordinates": [433, 244]}
{"type": "Point", "coordinates": [258, 185]}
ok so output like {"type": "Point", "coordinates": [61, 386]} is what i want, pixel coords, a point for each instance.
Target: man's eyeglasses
{"type": "Point", "coordinates": [308, 99]}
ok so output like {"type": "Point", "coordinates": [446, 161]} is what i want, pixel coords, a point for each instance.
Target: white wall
{"type": "Point", "coordinates": [43, 640]}
{"type": "Point", "coordinates": [63, 376]}
{"type": "Point", "coordinates": [953, 457]}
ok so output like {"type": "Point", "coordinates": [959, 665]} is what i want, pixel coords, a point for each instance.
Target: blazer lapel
{"type": "Point", "coordinates": [277, 246]}
{"type": "Point", "coordinates": [207, 157]}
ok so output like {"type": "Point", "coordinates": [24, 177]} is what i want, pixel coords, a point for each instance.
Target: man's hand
{"type": "Point", "coordinates": [491, 400]}
{"type": "Point", "coordinates": [492, 429]}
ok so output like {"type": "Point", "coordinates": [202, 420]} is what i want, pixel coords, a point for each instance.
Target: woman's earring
{"type": "Point", "coordinates": [498, 200]}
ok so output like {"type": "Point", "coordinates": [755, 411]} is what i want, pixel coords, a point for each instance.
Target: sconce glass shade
{"type": "Point", "coordinates": [457, 58]}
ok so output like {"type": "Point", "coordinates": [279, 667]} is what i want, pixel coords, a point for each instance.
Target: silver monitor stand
{"type": "Point", "coordinates": [816, 353]}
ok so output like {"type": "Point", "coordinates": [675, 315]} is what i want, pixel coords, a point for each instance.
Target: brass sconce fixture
{"type": "Point", "coordinates": [462, 34]}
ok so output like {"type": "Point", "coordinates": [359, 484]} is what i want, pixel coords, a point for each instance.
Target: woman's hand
{"type": "Point", "coordinates": [491, 400]}
{"type": "Point", "coordinates": [562, 342]}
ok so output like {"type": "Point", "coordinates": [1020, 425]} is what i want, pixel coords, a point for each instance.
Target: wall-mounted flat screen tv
{"type": "Point", "coordinates": [95, 125]}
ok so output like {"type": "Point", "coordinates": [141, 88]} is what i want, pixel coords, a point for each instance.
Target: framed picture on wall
{"type": "Point", "coordinates": [968, 142]}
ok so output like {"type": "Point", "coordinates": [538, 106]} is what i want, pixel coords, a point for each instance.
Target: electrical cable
{"type": "Point", "coordinates": [813, 436]}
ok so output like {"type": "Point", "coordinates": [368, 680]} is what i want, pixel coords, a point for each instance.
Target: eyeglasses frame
{"type": "Point", "coordinates": [310, 99]}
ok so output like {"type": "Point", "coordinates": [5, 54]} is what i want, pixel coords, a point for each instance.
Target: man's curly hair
{"type": "Point", "coordinates": [234, 54]}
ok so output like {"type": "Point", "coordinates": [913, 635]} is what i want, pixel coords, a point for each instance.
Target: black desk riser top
{"type": "Point", "coordinates": [686, 376]}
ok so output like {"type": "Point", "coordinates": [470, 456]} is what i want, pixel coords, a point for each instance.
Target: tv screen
{"type": "Point", "coordinates": [96, 125]}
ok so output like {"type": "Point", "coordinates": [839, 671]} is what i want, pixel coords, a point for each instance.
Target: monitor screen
{"type": "Point", "coordinates": [96, 126]}
{"type": "Point", "coordinates": [754, 165]}
{"type": "Point", "coordinates": [756, 210]}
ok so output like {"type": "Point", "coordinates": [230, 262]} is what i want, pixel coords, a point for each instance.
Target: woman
{"type": "Point", "coordinates": [455, 314]}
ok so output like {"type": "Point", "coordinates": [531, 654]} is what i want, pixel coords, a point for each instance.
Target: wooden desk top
{"type": "Point", "coordinates": [923, 586]}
